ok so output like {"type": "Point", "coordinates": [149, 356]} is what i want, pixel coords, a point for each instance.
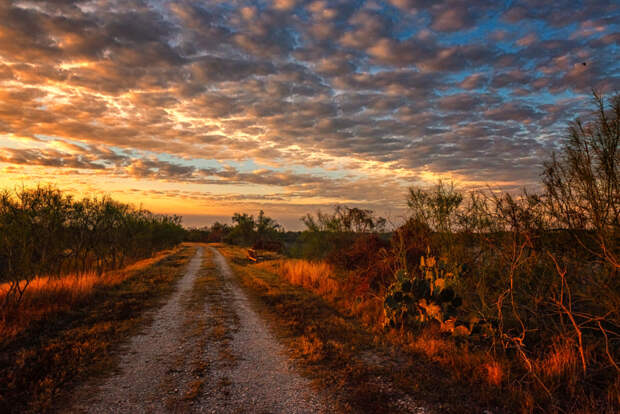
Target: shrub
{"type": "Point", "coordinates": [428, 297]}
{"type": "Point", "coordinates": [330, 235]}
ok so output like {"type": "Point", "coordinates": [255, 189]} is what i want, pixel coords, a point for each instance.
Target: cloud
{"type": "Point", "coordinates": [47, 158]}
{"type": "Point", "coordinates": [453, 18]}
{"type": "Point", "coordinates": [326, 99]}
{"type": "Point", "coordinates": [284, 4]}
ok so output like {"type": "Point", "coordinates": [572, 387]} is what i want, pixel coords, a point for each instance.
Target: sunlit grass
{"type": "Point", "coordinates": [494, 378]}
{"type": "Point", "coordinates": [324, 334]}
{"type": "Point", "coordinates": [317, 276]}
{"type": "Point", "coordinates": [47, 295]}
{"type": "Point", "coordinates": [322, 278]}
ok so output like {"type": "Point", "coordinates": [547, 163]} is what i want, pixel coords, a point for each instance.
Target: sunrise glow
{"type": "Point", "coordinates": [207, 108]}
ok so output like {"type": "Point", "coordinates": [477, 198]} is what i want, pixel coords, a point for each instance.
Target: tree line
{"type": "Point", "coordinates": [46, 232]}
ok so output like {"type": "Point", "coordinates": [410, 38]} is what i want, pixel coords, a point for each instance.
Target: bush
{"type": "Point", "coordinates": [332, 235]}
{"type": "Point", "coordinates": [540, 269]}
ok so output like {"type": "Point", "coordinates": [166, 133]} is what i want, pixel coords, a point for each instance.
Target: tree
{"type": "Point", "coordinates": [248, 231]}
{"type": "Point", "coordinates": [243, 229]}
{"type": "Point", "coordinates": [45, 232]}
{"type": "Point", "coordinates": [218, 232]}
{"type": "Point", "coordinates": [330, 235]}
{"type": "Point", "coordinates": [436, 207]}
{"type": "Point", "coordinates": [345, 220]}
{"type": "Point", "coordinates": [582, 186]}
{"type": "Point", "coordinates": [266, 229]}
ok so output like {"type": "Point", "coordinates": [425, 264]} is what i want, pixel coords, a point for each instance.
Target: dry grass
{"type": "Point", "coordinates": [322, 278]}
{"type": "Point", "coordinates": [69, 330]}
{"type": "Point", "coordinates": [316, 276]}
{"type": "Point", "coordinates": [494, 373]}
{"type": "Point", "coordinates": [463, 365]}
{"type": "Point", "coordinates": [561, 360]}
{"type": "Point", "coordinates": [310, 347]}
{"type": "Point", "coordinates": [328, 328]}
{"type": "Point", "coordinates": [45, 295]}
{"type": "Point", "coordinates": [319, 277]}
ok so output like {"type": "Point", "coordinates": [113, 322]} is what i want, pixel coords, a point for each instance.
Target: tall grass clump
{"type": "Point", "coordinates": [317, 276]}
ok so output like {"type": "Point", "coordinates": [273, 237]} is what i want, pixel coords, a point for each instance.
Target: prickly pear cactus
{"type": "Point", "coordinates": [417, 300]}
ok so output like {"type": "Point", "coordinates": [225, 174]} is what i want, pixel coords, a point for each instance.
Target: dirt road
{"type": "Point", "coordinates": [261, 379]}
{"type": "Point", "coordinates": [218, 358]}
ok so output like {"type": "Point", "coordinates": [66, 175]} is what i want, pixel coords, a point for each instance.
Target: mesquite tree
{"type": "Point", "coordinates": [44, 232]}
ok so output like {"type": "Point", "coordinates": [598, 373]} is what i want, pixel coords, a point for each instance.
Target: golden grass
{"type": "Point", "coordinates": [322, 278]}
{"type": "Point", "coordinates": [465, 365]}
{"type": "Point", "coordinates": [495, 373]}
{"type": "Point", "coordinates": [316, 276]}
{"type": "Point", "coordinates": [310, 347]}
{"type": "Point", "coordinates": [561, 360]}
{"type": "Point", "coordinates": [431, 346]}
{"type": "Point", "coordinates": [46, 295]}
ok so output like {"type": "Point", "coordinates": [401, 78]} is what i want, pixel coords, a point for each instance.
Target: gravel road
{"type": "Point", "coordinates": [246, 371]}
{"type": "Point", "coordinates": [262, 379]}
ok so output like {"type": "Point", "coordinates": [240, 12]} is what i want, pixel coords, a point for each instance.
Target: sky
{"type": "Point", "coordinates": [206, 108]}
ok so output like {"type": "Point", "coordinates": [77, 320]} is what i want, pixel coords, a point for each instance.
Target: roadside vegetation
{"type": "Point", "coordinates": [517, 295]}
{"type": "Point", "coordinates": [359, 369]}
{"type": "Point", "coordinates": [78, 338]}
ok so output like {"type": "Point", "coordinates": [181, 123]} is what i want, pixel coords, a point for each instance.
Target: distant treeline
{"type": "Point", "coordinates": [261, 232]}
{"type": "Point", "coordinates": [44, 231]}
